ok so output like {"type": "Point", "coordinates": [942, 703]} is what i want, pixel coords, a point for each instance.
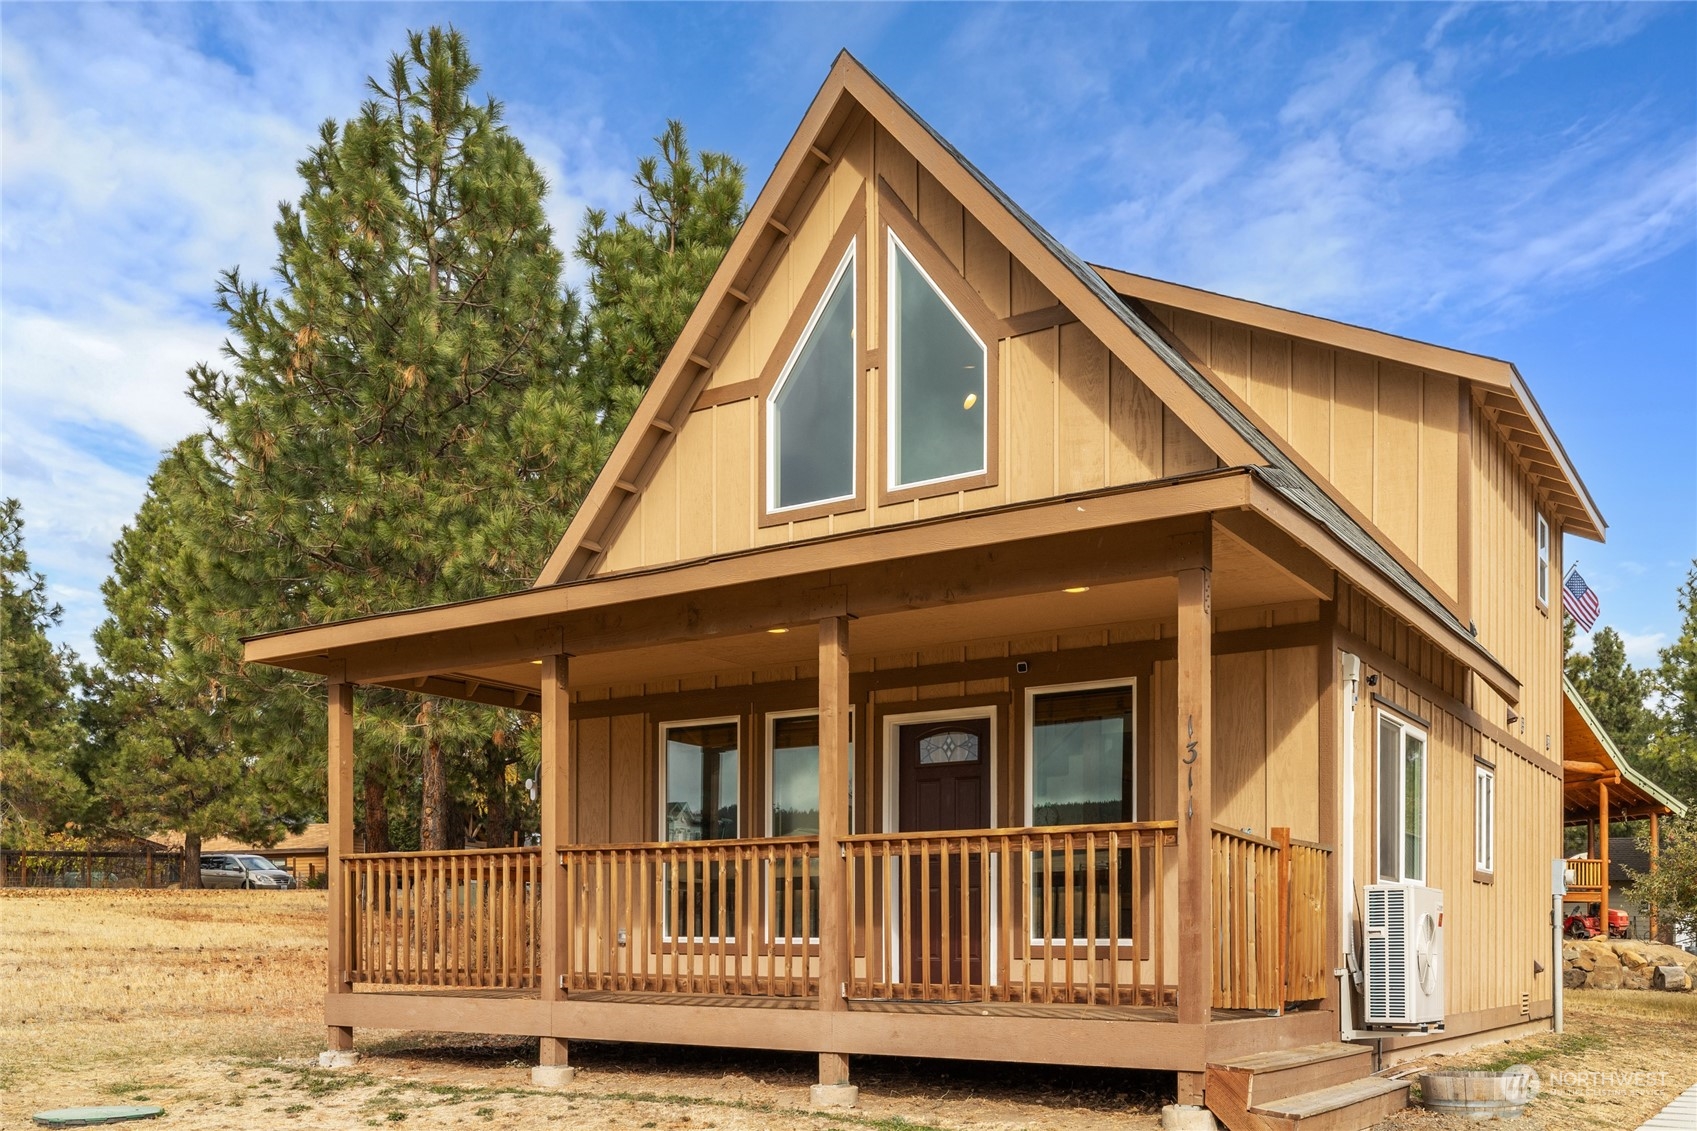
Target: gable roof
{"type": "Point", "coordinates": [1498, 384]}
{"type": "Point", "coordinates": [1589, 755]}
{"type": "Point", "coordinates": [1202, 406]}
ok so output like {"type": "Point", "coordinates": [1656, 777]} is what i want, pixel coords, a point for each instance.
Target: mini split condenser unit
{"type": "Point", "coordinates": [1405, 955]}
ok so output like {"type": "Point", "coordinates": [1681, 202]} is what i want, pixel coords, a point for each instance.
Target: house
{"type": "Point", "coordinates": [969, 652]}
{"type": "Point", "coordinates": [302, 855]}
{"type": "Point", "coordinates": [1600, 787]}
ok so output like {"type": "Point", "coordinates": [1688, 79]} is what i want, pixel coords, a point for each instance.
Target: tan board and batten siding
{"type": "Point", "coordinates": [1071, 417]}
{"type": "Point", "coordinates": [1387, 436]}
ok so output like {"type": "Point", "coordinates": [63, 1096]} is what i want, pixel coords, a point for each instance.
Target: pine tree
{"type": "Point", "coordinates": [1672, 754]}
{"type": "Point", "coordinates": [649, 266]}
{"type": "Point", "coordinates": [40, 739]}
{"type": "Point", "coordinates": [170, 755]}
{"type": "Point", "coordinates": [397, 425]}
{"type": "Point", "coordinates": [1615, 691]}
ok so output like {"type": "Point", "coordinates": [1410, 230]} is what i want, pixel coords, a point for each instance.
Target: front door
{"type": "Point", "coordinates": [945, 784]}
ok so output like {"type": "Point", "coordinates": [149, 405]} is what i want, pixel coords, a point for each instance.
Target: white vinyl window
{"type": "Point", "coordinates": [699, 781]}
{"type": "Point", "coordinates": [938, 415]}
{"type": "Point", "coordinates": [1401, 801]}
{"type": "Point", "coordinates": [1543, 561]}
{"type": "Point", "coordinates": [1484, 819]}
{"type": "Point", "coordinates": [811, 414]}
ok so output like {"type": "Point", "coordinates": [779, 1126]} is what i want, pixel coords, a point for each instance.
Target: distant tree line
{"type": "Point", "coordinates": [408, 411]}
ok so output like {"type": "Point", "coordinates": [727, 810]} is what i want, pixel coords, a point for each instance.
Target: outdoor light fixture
{"type": "Point", "coordinates": [1076, 589]}
{"type": "Point", "coordinates": [777, 631]}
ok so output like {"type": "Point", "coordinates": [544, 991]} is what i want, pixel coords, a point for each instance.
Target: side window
{"type": "Point", "coordinates": [812, 411]}
{"type": "Point", "coordinates": [1484, 819]}
{"type": "Point", "coordinates": [938, 387]}
{"type": "Point", "coordinates": [1401, 801]}
{"type": "Point", "coordinates": [1543, 561]}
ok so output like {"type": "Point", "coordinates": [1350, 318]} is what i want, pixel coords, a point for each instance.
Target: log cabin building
{"type": "Point", "coordinates": [971, 652]}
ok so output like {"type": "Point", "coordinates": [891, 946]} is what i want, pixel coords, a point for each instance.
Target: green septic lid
{"type": "Point", "coordinates": [94, 1116]}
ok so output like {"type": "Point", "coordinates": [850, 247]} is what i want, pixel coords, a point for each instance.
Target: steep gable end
{"type": "Point", "coordinates": [1072, 400]}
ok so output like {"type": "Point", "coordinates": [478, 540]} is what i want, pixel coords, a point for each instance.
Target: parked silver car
{"type": "Point", "coordinates": [241, 870]}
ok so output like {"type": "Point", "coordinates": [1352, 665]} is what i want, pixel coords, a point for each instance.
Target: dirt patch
{"type": "Point", "coordinates": [1623, 1056]}
{"type": "Point", "coordinates": [210, 1004]}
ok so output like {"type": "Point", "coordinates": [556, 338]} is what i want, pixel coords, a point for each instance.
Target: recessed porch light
{"type": "Point", "coordinates": [777, 631]}
{"type": "Point", "coordinates": [1076, 589]}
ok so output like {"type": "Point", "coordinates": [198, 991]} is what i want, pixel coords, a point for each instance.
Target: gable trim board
{"type": "Point", "coordinates": [1217, 420]}
{"type": "Point", "coordinates": [1498, 385]}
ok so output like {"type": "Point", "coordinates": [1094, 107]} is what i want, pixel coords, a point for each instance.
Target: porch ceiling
{"type": "Point", "coordinates": [1243, 578]}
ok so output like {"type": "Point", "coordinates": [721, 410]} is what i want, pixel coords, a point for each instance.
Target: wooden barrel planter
{"type": "Point", "coordinates": [1479, 1095]}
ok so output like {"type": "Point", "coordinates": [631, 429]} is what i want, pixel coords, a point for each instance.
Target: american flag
{"type": "Point", "coordinates": [1579, 599]}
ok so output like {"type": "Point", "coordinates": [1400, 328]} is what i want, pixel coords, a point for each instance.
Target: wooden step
{"type": "Point", "coordinates": [1354, 1106]}
{"type": "Point", "coordinates": [1262, 1077]}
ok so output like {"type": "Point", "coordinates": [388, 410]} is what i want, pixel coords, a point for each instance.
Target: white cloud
{"type": "Point", "coordinates": [1643, 648]}
{"type": "Point", "coordinates": [1408, 122]}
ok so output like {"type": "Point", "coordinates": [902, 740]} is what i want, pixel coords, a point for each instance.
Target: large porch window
{"type": "Point", "coordinates": [701, 785]}
{"type": "Point", "coordinates": [1081, 742]}
{"type": "Point", "coordinates": [793, 810]}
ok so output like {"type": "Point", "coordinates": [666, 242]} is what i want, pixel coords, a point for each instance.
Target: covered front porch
{"type": "Point", "coordinates": [960, 887]}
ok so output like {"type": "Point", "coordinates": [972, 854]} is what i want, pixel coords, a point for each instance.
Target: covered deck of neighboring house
{"type": "Point", "coordinates": [1600, 786]}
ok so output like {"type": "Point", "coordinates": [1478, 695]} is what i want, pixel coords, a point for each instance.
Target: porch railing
{"type": "Point", "coordinates": [1584, 875]}
{"type": "Point", "coordinates": [1270, 943]}
{"type": "Point", "coordinates": [738, 917]}
{"type": "Point", "coordinates": [1055, 916]}
{"type": "Point", "coordinates": [468, 918]}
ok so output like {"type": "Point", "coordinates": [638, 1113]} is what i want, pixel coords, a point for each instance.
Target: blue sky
{"type": "Point", "coordinates": [1516, 180]}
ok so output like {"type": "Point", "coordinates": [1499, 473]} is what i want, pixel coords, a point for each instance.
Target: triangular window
{"type": "Point", "coordinates": [810, 440]}
{"type": "Point", "coordinates": [938, 409]}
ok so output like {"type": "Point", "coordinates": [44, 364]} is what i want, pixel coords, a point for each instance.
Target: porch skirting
{"type": "Point", "coordinates": [1131, 1037]}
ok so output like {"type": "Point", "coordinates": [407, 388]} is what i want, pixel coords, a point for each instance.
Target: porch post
{"type": "Point", "coordinates": [1195, 793]}
{"type": "Point", "coordinates": [1603, 853]}
{"type": "Point", "coordinates": [1655, 851]}
{"type": "Point", "coordinates": [554, 784]}
{"type": "Point", "coordinates": [835, 959]}
{"type": "Point", "coordinates": [339, 1038]}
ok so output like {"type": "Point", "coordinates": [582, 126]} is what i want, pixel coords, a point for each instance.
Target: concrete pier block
{"type": "Point", "coordinates": [551, 1075]}
{"type": "Point", "coordinates": [335, 1058]}
{"type": "Point", "coordinates": [833, 1095]}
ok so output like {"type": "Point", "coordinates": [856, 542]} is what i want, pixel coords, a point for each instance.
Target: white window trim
{"type": "Point", "coordinates": [1484, 818]}
{"type": "Point", "coordinates": [772, 720]}
{"type": "Point", "coordinates": [892, 379]}
{"type": "Point", "coordinates": [848, 263]}
{"type": "Point", "coordinates": [660, 771]}
{"type": "Point", "coordinates": [1543, 561]}
{"type": "Point", "coordinates": [1031, 694]}
{"type": "Point", "coordinates": [1403, 731]}
{"type": "Point", "coordinates": [892, 816]}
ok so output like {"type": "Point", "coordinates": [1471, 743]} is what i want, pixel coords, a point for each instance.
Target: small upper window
{"type": "Point", "coordinates": [1543, 561]}
{"type": "Point", "coordinates": [938, 416]}
{"type": "Point", "coordinates": [811, 416]}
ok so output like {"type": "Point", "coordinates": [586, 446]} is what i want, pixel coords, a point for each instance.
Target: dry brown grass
{"type": "Point", "coordinates": [210, 1004]}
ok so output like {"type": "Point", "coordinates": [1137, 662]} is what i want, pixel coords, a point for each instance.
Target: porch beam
{"type": "Point", "coordinates": [1195, 792]}
{"type": "Point", "coordinates": [554, 774]}
{"type": "Point", "coordinates": [339, 1038]}
{"type": "Point", "coordinates": [834, 954]}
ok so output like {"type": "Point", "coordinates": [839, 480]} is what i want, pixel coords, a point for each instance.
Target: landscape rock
{"type": "Point", "coordinates": [1630, 964]}
{"type": "Point", "coordinates": [1672, 978]}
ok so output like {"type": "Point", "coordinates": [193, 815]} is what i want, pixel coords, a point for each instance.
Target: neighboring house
{"type": "Point", "coordinates": [968, 652]}
{"type": "Point", "coordinates": [1600, 787]}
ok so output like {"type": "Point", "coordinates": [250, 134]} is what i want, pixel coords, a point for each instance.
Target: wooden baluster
{"type": "Point", "coordinates": [1093, 930]}
{"type": "Point", "coordinates": [1115, 840]}
{"type": "Point", "coordinates": [1069, 875]}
